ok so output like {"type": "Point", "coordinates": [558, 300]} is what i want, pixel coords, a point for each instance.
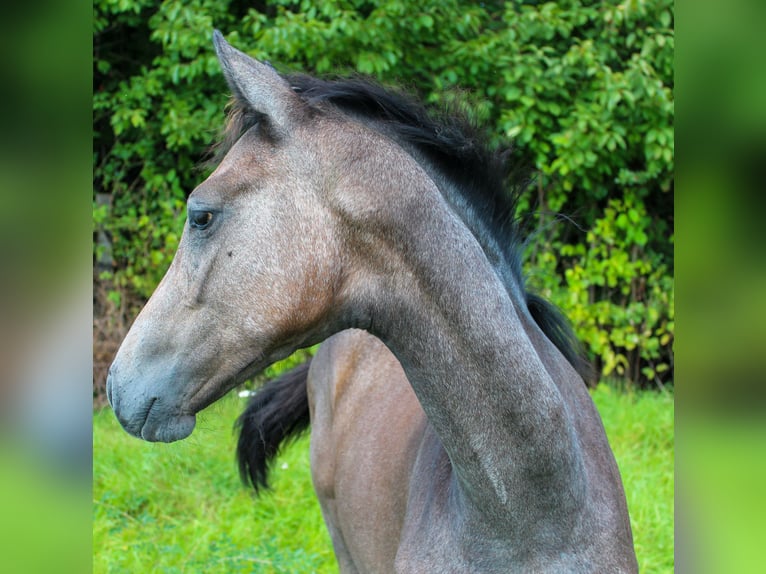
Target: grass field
{"type": "Point", "coordinates": [181, 507]}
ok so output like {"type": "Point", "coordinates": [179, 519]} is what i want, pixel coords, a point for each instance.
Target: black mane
{"type": "Point", "coordinates": [456, 149]}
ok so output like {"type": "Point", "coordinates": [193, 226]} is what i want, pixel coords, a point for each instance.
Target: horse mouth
{"type": "Point", "coordinates": [170, 429]}
{"type": "Point", "coordinates": [167, 417]}
{"type": "Point", "coordinates": [153, 423]}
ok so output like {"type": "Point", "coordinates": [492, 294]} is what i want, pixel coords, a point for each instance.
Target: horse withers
{"type": "Point", "coordinates": [451, 427]}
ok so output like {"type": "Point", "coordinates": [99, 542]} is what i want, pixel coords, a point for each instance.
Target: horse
{"type": "Point", "coordinates": [451, 426]}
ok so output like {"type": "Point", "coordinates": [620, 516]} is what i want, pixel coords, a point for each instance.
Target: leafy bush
{"type": "Point", "coordinates": [584, 89]}
{"type": "Point", "coordinates": [621, 300]}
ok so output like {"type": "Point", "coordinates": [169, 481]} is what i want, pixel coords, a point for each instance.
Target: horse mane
{"type": "Point", "coordinates": [455, 148]}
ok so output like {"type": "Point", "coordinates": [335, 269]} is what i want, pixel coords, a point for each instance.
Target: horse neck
{"type": "Point", "coordinates": [442, 309]}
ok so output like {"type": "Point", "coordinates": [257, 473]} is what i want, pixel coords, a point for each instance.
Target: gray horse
{"type": "Point", "coordinates": [451, 427]}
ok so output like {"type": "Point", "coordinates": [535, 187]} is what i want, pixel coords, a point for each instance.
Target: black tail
{"type": "Point", "coordinates": [278, 412]}
{"type": "Point", "coordinates": [556, 327]}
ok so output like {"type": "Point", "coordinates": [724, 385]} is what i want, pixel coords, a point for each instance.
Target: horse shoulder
{"type": "Point", "coordinates": [366, 427]}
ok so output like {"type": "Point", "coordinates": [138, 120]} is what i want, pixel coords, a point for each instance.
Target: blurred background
{"type": "Point", "coordinates": [45, 287]}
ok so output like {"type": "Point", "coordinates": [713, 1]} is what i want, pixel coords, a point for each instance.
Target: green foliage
{"type": "Point", "coordinates": [157, 104]}
{"type": "Point", "coordinates": [619, 294]}
{"type": "Point", "coordinates": [180, 507]}
{"type": "Point", "coordinates": [584, 89]}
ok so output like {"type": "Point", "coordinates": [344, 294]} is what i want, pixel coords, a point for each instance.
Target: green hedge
{"type": "Point", "coordinates": [584, 90]}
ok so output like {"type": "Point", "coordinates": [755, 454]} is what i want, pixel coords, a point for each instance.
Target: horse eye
{"type": "Point", "coordinates": [200, 219]}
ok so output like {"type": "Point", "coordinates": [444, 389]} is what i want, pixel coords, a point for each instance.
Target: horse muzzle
{"type": "Point", "coordinates": [146, 415]}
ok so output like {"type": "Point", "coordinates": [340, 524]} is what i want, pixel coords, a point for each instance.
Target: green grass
{"type": "Point", "coordinates": [181, 507]}
{"type": "Point", "coordinates": [640, 428]}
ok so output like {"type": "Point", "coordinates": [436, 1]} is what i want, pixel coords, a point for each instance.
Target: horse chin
{"type": "Point", "coordinates": [167, 429]}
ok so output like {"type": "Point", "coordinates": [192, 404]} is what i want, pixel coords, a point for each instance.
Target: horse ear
{"type": "Point", "coordinates": [259, 85]}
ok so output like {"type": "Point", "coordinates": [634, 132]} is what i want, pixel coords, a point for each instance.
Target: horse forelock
{"type": "Point", "coordinates": [487, 183]}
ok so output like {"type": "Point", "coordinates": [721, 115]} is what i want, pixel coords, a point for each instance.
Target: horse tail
{"type": "Point", "coordinates": [556, 327]}
{"type": "Point", "coordinates": [278, 412]}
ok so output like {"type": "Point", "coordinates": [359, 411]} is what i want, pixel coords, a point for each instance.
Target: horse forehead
{"type": "Point", "coordinates": [249, 163]}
